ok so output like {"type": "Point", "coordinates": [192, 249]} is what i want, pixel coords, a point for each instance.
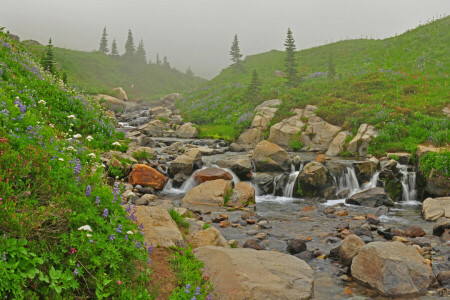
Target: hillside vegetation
{"type": "Point", "coordinates": [399, 84]}
{"type": "Point", "coordinates": [96, 72]}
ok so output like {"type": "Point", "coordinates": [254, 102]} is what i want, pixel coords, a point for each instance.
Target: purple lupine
{"type": "Point", "coordinates": [126, 237]}
{"type": "Point", "coordinates": [187, 288]}
{"type": "Point", "coordinates": [197, 291]}
{"type": "Point", "coordinates": [119, 228]}
{"type": "Point", "coordinates": [4, 256]}
{"type": "Point", "coordinates": [138, 245]}
{"type": "Point", "coordinates": [75, 271]}
{"type": "Point", "coordinates": [88, 191]}
{"type": "Point", "coordinates": [150, 249]}
{"type": "Point", "coordinates": [112, 237]}
{"type": "Point", "coordinates": [97, 200]}
{"type": "Point", "coordinates": [149, 261]}
{"type": "Point", "coordinates": [105, 213]}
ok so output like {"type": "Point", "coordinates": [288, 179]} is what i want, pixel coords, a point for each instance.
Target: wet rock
{"type": "Point", "coordinates": [341, 213]}
{"type": "Point", "coordinates": [421, 241]}
{"type": "Point", "coordinates": [437, 185]}
{"type": "Point", "coordinates": [264, 224]}
{"type": "Point", "coordinates": [146, 199]}
{"type": "Point", "coordinates": [211, 173]}
{"type": "Point", "coordinates": [365, 170]}
{"type": "Point", "coordinates": [269, 157]}
{"type": "Point", "coordinates": [146, 190]}
{"type": "Point", "coordinates": [186, 131]}
{"type": "Point", "coordinates": [236, 147]}
{"type": "Point", "coordinates": [329, 210]}
{"type": "Point", "coordinates": [362, 231]}
{"type": "Point", "coordinates": [392, 268]}
{"type": "Point", "coordinates": [414, 231]}
{"type": "Point", "coordinates": [208, 237]}
{"type": "Point", "coordinates": [382, 210]}
{"type": "Point", "coordinates": [372, 198]}
{"type": "Point", "coordinates": [314, 180]}
{"type": "Point", "coordinates": [295, 246]}
{"type": "Point", "coordinates": [445, 237]}
{"type": "Point", "coordinates": [306, 255]}
{"type": "Point", "coordinates": [269, 274]}
{"type": "Point", "coordinates": [366, 239]}
{"type": "Point", "coordinates": [179, 179]}
{"type": "Point", "coordinates": [402, 157]}
{"type": "Point", "coordinates": [385, 233]}
{"type": "Point", "coordinates": [250, 137]}
{"type": "Point", "coordinates": [253, 244]}
{"type": "Point", "coordinates": [243, 195]}
{"type": "Point", "coordinates": [240, 165]}
{"type": "Point", "coordinates": [208, 195]}
{"type": "Point", "coordinates": [182, 164]}
{"type": "Point", "coordinates": [443, 278]}
{"type": "Point", "coordinates": [343, 194]}
{"type": "Point", "coordinates": [441, 225]}
{"type": "Point", "coordinates": [174, 148]}
{"type": "Point", "coordinates": [435, 208]}
{"type": "Point", "coordinates": [224, 224]}
{"type": "Point", "coordinates": [372, 221]}
{"type": "Point", "coordinates": [265, 182]}
{"type": "Point", "coordinates": [261, 236]}
{"type": "Point", "coordinates": [158, 227]}
{"type": "Point", "coordinates": [349, 248]}
{"type": "Point", "coordinates": [147, 176]}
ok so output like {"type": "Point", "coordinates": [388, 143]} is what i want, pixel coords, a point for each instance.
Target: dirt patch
{"type": "Point", "coordinates": [164, 280]}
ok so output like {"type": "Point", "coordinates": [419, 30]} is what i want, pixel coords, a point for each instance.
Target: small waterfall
{"type": "Point", "coordinates": [289, 190]}
{"type": "Point", "coordinates": [372, 183]}
{"type": "Point", "coordinates": [275, 182]}
{"type": "Point", "coordinates": [408, 183]}
{"type": "Point", "coordinates": [349, 181]}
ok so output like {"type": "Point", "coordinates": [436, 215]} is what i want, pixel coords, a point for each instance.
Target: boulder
{"type": "Point", "coordinates": [147, 176]}
{"type": "Point", "coordinates": [111, 102]}
{"type": "Point", "coordinates": [372, 198]}
{"type": "Point", "coordinates": [337, 145]}
{"type": "Point", "coordinates": [234, 147]}
{"type": "Point", "coordinates": [269, 157]}
{"type": "Point", "coordinates": [435, 208]}
{"type": "Point", "coordinates": [402, 157]}
{"type": "Point", "coordinates": [254, 244]}
{"type": "Point", "coordinates": [135, 149]}
{"type": "Point", "coordinates": [249, 274]}
{"type": "Point", "coordinates": [186, 131]}
{"type": "Point", "coordinates": [208, 195]}
{"type": "Point", "coordinates": [296, 246]}
{"type": "Point", "coordinates": [250, 138]}
{"type": "Point", "coordinates": [414, 231]}
{"type": "Point", "coordinates": [155, 128]}
{"type": "Point", "coordinates": [360, 143]}
{"type": "Point", "coordinates": [314, 180]}
{"type": "Point", "coordinates": [174, 148]}
{"type": "Point", "coordinates": [211, 173]}
{"type": "Point", "coordinates": [243, 194]}
{"type": "Point", "coordinates": [182, 164]}
{"type": "Point", "coordinates": [437, 185]}
{"type": "Point", "coordinates": [392, 268]}
{"type": "Point", "coordinates": [349, 248]}
{"type": "Point", "coordinates": [196, 154]}
{"type": "Point", "coordinates": [240, 165]}
{"type": "Point", "coordinates": [121, 94]}
{"type": "Point", "coordinates": [208, 237]}
{"type": "Point", "coordinates": [364, 170]}
{"type": "Point", "coordinates": [264, 181]}
{"type": "Point", "coordinates": [154, 111]}
{"type": "Point", "coordinates": [441, 225]}
{"type": "Point", "coordinates": [158, 227]}
{"type": "Point", "coordinates": [421, 150]}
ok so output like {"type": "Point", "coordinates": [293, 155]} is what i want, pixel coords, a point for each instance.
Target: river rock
{"type": "Point", "coordinates": [208, 195]}
{"type": "Point", "coordinates": [392, 268]}
{"type": "Point", "coordinates": [121, 94]}
{"type": "Point", "coordinates": [360, 143]}
{"type": "Point", "coordinates": [437, 185]}
{"type": "Point", "coordinates": [134, 149]}
{"type": "Point", "coordinates": [349, 248]}
{"type": "Point", "coordinates": [243, 194]}
{"type": "Point", "coordinates": [295, 246]}
{"type": "Point", "coordinates": [158, 227]}
{"type": "Point", "coordinates": [264, 181]}
{"type": "Point", "coordinates": [269, 157]}
{"type": "Point", "coordinates": [186, 131]}
{"type": "Point", "coordinates": [372, 198]}
{"type": "Point", "coordinates": [441, 225]}
{"type": "Point", "coordinates": [435, 208]}
{"type": "Point", "coordinates": [154, 111]}
{"type": "Point", "coordinates": [174, 148]}
{"type": "Point", "coordinates": [208, 237]}
{"type": "Point", "coordinates": [147, 176]}
{"type": "Point", "coordinates": [364, 170]}
{"type": "Point", "coordinates": [314, 180]}
{"type": "Point", "coordinates": [155, 128]}
{"type": "Point", "coordinates": [414, 231]}
{"type": "Point", "coordinates": [254, 244]}
{"type": "Point", "coordinates": [250, 137]}
{"type": "Point", "coordinates": [402, 157]}
{"type": "Point", "coordinates": [112, 103]}
{"type": "Point", "coordinates": [337, 145]}
{"type": "Point", "coordinates": [182, 164]}
{"type": "Point", "coordinates": [241, 165]}
{"type": "Point", "coordinates": [248, 274]}
{"type": "Point", "coordinates": [443, 278]}
{"type": "Point", "coordinates": [211, 173]}
{"type": "Point", "coordinates": [234, 147]}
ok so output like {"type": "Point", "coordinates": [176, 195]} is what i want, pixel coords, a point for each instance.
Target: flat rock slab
{"type": "Point", "coordinates": [147, 176]}
{"type": "Point", "coordinates": [372, 198]}
{"type": "Point", "coordinates": [242, 273]}
{"type": "Point", "coordinates": [211, 173]}
{"type": "Point", "coordinates": [435, 208]}
{"type": "Point", "coordinates": [159, 228]}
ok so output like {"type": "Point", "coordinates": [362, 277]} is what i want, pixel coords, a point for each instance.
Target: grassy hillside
{"type": "Point", "coordinates": [95, 72]}
{"type": "Point", "coordinates": [399, 84]}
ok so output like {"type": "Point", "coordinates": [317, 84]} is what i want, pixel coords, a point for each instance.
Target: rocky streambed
{"type": "Point", "coordinates": [359, 224]}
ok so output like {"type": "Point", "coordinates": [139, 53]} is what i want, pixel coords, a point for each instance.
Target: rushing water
{"type": "Point", "coordinates": [408, 184]}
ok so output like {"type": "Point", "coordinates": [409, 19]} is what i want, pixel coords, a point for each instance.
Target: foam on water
{"type": "Point", "coordinates": [272, 198]}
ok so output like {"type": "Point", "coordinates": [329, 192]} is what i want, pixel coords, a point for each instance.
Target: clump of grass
{"type": "Point", "coordinates": [178, 219]}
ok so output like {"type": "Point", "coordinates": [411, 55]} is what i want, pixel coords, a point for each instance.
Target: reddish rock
{"type": "Point", "coordinates": [308, 209]}
{"type": "Point", "coordinates": [147, 176]}
{"type": "Point", "coordinates": [321, 158]}
{"type": "Point", "coordinates": [397, 232]}
{"type": "Point", "coordinates": [415, 231]}
{"type": "Point", "coordinates": [224, 224]}
{"type": "Point", "coordinates": [341, 213]}
{"type": "Point", "coordinates": [212, 173]}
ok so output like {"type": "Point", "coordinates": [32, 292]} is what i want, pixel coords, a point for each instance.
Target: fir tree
{"type": "Point", "coordinates": [331, 69]}
{"type": "Point", "coordinates": [254, 89]}
{"type": "Point", "coordinates": [158, 60]}
{"type": "Point", "coordinates": [48, 60]}
{"type": "Point", "coordinates": [114, 51]}
{"type": "Point", "coordinates": [130, 50]}
{"type": "Point", "coordinates": [166, 63]}
{"type": "Point", "coordinates": [64, 78]}
{"type": "Point", "coordinates": [189, 72]}
{"type": "Point", "coordinates": [140, 53]}
{"type": "Point", "coordinates": [104, 42]}
{"type": "Point", "coordinates": [290, 61]}
{"type": "Point", "coordinates": [235, 52]}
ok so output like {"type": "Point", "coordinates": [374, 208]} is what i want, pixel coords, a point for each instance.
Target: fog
{"type": "Point", "coordinates": [199, 33]}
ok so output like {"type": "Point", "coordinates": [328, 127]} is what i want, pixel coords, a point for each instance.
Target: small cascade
{"type": "Point", "coordinates": [349, 181]}
{"type": "Point", "coordinates": [372, 183]}
{"type": "Point", "coordinates": [289, 190]}
{"type": "Point", "coordinates": [275, 182]}
{"type": "Point", "coordinates": [408, 183]}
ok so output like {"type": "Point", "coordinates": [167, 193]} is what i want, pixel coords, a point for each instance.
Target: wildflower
{"type": "Point", "coordinates": [77, 136]}
{"type": "Point", "coordinates": [105, 213]}
{"type": "Point", "coordinates": [112, 237]}
{"type": "Point", "coordinates": [126, 237]}
{"type": "Point", "coordinates": [187, 288]}
{"type": "Point", "coordinates": [193, 298]}
{"type": "Point", "coordinates": [138, 245]}
{"type": "Point", "coordinates": [4, 235]}
{"type": "Point", "coordinates": [86, 228]}
{"type": "Point", "coordinates": [116, 144]}
{"type": "Point", "coordinates": [73, 250]}
{"type": "Point", "coordinates": [129, 232]}
{"type": "Point", "coordinates": [88, 191]}
{"type": "Point", "coordinates": [89, 235]}
{"type": "Point", "coordinates": [97, 200]}
{"type": "Point", "coordinates": [91, 155]}
{"type": "Point", "coordinates": [91, 241]}
{"type": "Point", "coordinates": [149, 261]}
{"type": "Point", "coordinates": [119, 228]}
{"type": "Point", "coordinates": [71, 117]}
{"type": "Point", "coordinates": [71, 148]}
{"type": "Point", "coordinates": [208, 297]}
{"type": "Point", "coordinates": [89, 138]}
{"type": "Point", "coordinates": [75, 271]}
{"type": "Point", "coordinates": [150, 249]}
{"type": "Point", "coordinates": [61, 159]}
{"type": "Point", "coordinates": [4, 256]}
{"type": "Point", "coordinates": [197, 291]}
{"type": "Point", "coordinates": [42, 102]}
{"type": "Point", "coordinates": [119, 282]}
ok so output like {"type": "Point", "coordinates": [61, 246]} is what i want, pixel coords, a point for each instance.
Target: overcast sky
{"type": "Point", "coordinates": [198, 33]}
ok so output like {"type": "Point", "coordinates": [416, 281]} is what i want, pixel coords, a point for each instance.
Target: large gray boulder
{"type": "Point", "coordinates": [269, 157]}
{"type": "Point", "coordinates": [182, 164]}
{"type": "Point", "coordinates": [437, 185]}
{"type": "Point", "coordinates": [186, 131]}
{"type": "Point", "coordinates": [360, 143]}
{"type": "Point", "coordinates": [314, 180]}
{"type": "Point", "coordinates": [111, 102]}
{"type": "Point", "coordinates": [349, 248]}
{"type": "Point", "coordinates": [435, 208]}
{"type": "Point", "coordinates": [392, 268]}
{"type": "Point", "coordinates": [209, 195]}
{"type": "Point", "coordinates": [337, 145]}
{"type": "Point", "coordinates": [244, 273]}
{"type": "Point", "coordinates": [372, 198]}
{"type": "Point", "coordinates": [241, 165]}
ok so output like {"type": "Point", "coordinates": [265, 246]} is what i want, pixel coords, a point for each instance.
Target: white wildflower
{"type": "Point", "coordinates": [77, 136]}
{"type": "Point", "coordinates": [42, 102]}
{"type": "Point", "coordinates": [61, 159]}
{"type": "Point", "coordinates": [91, 155]}
{"type": "Point", "coordinates": [71, 117]}
{"type": "Point", "coordinates": [85, 227]}
{"type": "Point", "coordinates": [89, 235]}
{"type": "Point", "coordinates": [116, 144]}
{"type": "Point", "coordinates": [130, 232]}
{"type": "Point", "coordinates": [71, 125]}
{"type": "Point", "coordinates": [71, 148]}
{"type": "Point", "coordinates": [89, 138]}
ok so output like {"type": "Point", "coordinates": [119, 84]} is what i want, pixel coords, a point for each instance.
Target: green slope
{"type": "Point", "coordinates": [378, 81]}
{"type": "Point", "coordinates": [96, 72]}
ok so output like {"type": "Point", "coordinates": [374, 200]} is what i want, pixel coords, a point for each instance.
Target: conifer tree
{"type": "Point", "coordinates": [48, 60]}
{"type": "Point", "coordinates": [289, 61]}
{"type": "Point", "coordinates": [104, 42]}
{"type": "Point", "coordinates": [64, 78]}
{"type": "Point", "coordinates": [189, 72]}
{"type": "Point", "coordinates": [235, 52]}
{"type": "Point", "coordinates": [158, 60]}
{"type": "Point", "coordinates": [254, 89]}
{"type": "Point", "coordinates": [130, 50]}
{"type": "Point", "coordinates": [140, 53]}
{"type": "Point", "coordinates": [114, 51]}
{"type": "Point", "coordinates": [331, 69]}
{"type": "Point", "coordinates": [166, 63]}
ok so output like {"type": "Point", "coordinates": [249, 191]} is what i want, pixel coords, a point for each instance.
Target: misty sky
{"type": "Point", "coordinates": [199, 32]}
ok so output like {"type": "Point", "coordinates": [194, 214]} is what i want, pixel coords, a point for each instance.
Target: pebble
{"type": "Point", "coordinates": [224, 224]}
{"type": "Point", "coordinates": [400, 239]}
{"type": "Point", "coordinates": [261, 236]}
{"type": "Point", "coordinates": [251, 232]}
{"type": "Point", "coordinates": [341, 213]}
{"type": "Point", "coordinates": [242, 222]}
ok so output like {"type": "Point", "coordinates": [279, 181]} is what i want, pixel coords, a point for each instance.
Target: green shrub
{"type": "Point", "coordinates": [438, 161]}
{"type": "Point", "coordinates": [205, 226]}
{"type": "Point", "coordinates": [141, 155]}
{"type": "Point", "coordinates": [297, 142]}
{"type": "Point", "coordinates": [178, 219]}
